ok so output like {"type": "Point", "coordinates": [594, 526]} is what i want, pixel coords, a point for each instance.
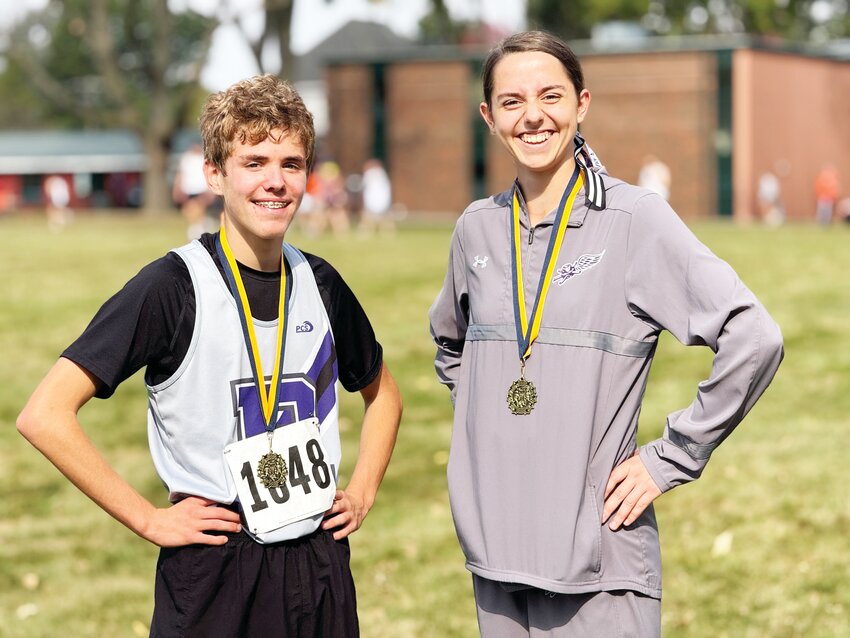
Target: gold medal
{"type": "Point", "coordinates": [522, 397]}
{"type": "Point", "coordinates": [272, 470]}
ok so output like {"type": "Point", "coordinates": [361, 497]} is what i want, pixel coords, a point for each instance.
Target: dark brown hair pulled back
{"type": "Point", "coordinates": [532, 41]}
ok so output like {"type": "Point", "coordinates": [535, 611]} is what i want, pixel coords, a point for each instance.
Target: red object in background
{"type": "Point", "coordinates": [11, 187]}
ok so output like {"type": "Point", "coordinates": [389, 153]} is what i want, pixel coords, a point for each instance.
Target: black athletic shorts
{"type": "Point", "coordinates": [294, 589]}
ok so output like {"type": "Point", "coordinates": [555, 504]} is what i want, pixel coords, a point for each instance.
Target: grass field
{"type": "Point", "coordinates": [760, 546]}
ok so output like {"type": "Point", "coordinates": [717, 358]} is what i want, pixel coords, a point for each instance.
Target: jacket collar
{"type": "Point", "coordinates": [594, 188]}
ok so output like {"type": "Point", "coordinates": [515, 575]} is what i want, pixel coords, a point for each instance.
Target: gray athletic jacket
{"type": "Point", "coordinates": [527, 491]}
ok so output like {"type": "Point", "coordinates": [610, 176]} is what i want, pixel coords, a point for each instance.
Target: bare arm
{"type": "Point", "coordinates": [377, 439]}
{"type": "Point", "coordinates": [49, 421]}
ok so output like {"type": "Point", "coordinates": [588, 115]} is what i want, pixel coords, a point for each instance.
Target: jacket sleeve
{"type": "Point", "coordinates": [449, 315]}
{"type": "Point", "coordinates": [675, 283]}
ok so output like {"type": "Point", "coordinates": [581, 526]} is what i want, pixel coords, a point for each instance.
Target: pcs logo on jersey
{"type": "Point", "coordinates": [304, 327]}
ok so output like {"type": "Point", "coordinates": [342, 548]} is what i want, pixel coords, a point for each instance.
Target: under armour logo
{"type": "Point", "coordinates": [480, 262]}
{"type": "Point", "coordinates": [304, 327]}
{"type": "Point", "coordinates": [568, 271]}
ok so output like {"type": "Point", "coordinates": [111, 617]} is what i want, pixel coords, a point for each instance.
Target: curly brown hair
{"type": "Point", "coordinates": [250, 110]}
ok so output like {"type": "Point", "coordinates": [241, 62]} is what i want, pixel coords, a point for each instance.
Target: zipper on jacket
{"type": "Point", "coordinates": [530, 235]}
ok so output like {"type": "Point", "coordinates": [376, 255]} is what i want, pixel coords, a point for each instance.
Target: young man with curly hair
{"type": "Point", "coordinates": [242, 337]}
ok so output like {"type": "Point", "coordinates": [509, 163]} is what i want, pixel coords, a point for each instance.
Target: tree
{"type": "Point", "coordinates": [575, 19]}
{"type": "Point", "coordinates": [277, 24]}
{"type": "Point", "coordinates": [118, 64]}
{"type": "Point", "coordinates": [276, 32]}
{"type": "Point", "coordinates": [438, 27]}
{"type": "Point", "coordinates": [794, 20]}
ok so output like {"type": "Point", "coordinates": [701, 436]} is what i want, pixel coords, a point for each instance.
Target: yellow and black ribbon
{"type": "Point", "coordinates": [269, 397]}
{"type": "Point", "coordinates": [528, 327]}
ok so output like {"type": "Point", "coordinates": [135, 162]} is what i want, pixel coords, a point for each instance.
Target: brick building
{"type": "Point", "coordinates": [718, 112]}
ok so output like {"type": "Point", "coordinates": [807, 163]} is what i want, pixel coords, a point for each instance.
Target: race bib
{"type": "Point", "coordinates": [309, 486]}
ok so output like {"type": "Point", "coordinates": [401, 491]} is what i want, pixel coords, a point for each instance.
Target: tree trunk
{"type": "Point", "coordinates": [287, 58]}
{"type": "Point", "coordinates": [278, 22]}
{"type": "Point", "coordinates": [156, 194]}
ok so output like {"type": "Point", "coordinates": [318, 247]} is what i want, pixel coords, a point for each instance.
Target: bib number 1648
{"type": "Point", "coordinates": [319, 472]}
{"type": "Point", "coordinates": [309, 487]}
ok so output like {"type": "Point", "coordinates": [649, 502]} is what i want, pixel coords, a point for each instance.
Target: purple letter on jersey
{"type": "Point", "coordinates": [297, 402]}
{"type": "Point", "coordinates": [324, 371]}
{"type": "Point", "coordinates": [301, 396]}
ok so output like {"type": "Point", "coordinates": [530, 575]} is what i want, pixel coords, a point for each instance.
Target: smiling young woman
{"type": "Point", "coordinates": [556, 293]}
{"type": "Point", "coordinates": [535, 110]}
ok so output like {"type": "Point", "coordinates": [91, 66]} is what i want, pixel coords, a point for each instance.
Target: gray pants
{"type": "Point", "coordinates": [506, 611]}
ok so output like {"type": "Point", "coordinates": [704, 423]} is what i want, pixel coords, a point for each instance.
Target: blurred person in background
{"type": "Point", "coordinates": [827, 189]}
{"type": "Point", "coordinates": [255, 541]}
{"type": "Point", "coordinates": [377, 195]}
{"type": "Point", "coordinates": [557, 291]}
{"type": "Point", "coordinates": [192, 193]}
{"type": "Point", "coordinates": [333, 197]}
{"type": "Point", "coordinates": [769, 196]}
{"type": "Point", "coordinates": [311, 219]}
{"type": "Point", "coordinates": [655, 175]}
{"type": "Point", "coordinates": [842, 210]}
{"type": "Point", "coordinates": [8, 197]}
{"type": "Point", "coordinates": [57, 195]}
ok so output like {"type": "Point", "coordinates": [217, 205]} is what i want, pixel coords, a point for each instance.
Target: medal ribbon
{"type": "Point", "coordinates": [591, 168]}
{"type": "Point", "coordinates": [269, 399]}
{"type": "Point", "coordinates": [527, 328]}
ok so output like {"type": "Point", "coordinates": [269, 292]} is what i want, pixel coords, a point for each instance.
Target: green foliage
{"type": "Point", "coordinates": [54, 67]}
{"type": "Point", "coordinates": [22, 107]}
{"type": "Point", "coordinates": [438, 27]}
{"type": "Point", "coordinates": [114, 64]}
{"type": "Point", "coordinates": [775, 491]}
{"type": "Point", "coordinates": [571, 20]}
{"type": "Point", "coordinates": [788, 19]}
